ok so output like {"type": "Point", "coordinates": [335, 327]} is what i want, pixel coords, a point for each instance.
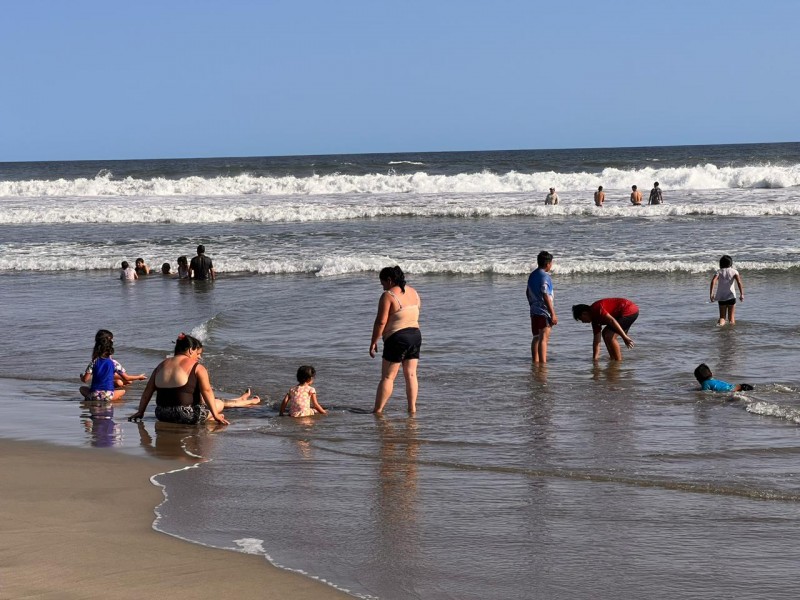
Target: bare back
{"type": "Point", "coordinates": [404, 309]}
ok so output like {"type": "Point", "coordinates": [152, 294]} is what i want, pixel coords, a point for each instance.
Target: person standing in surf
{"type": "Point", "coordinates": [725, 295]}
{"type": "Point", "coordinates": [610, 317]}
{"type": "Point", "coordinates": [201, 267]}
{"type": "Point", "coordinates": [656, 197]}
{"type": "Point", "coordinates": [397, 322]}
{"type": "Point", "coordinates": [543, 312]}
{"type": "Point", "coordinates": [599, 196]}
{"type": "Point", "coordinates": [636, 196]}
{"type": "Point", "coordinates": [552, 198]}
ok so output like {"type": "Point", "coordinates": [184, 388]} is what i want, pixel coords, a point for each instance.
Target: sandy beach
{"type": "Point", "coordinates": [78, 524]}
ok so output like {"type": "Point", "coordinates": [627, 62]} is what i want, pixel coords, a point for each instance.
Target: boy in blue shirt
{"type": "Point", "coordinates": [704, 375]}
{"type": "Point", "coordinates": [543, 313]}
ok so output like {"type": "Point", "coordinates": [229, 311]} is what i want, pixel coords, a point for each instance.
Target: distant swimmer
{"type": "Point", "coordinates": [655, 195]}
{"type": "Point", "coordinates": [552, 198]}
{"type": "Point", "coordinates": [141, 268]}
{"type": "Point", "coordinates": [599, 196]}
{"type": "Point", "coordinates": [636, 196]}
{"type": "Point", "coordinates": [201, 267]}
{"type": "Point", "coordinates": [127, 273]}
{"type": "Point", "coordinates": [610, 317]}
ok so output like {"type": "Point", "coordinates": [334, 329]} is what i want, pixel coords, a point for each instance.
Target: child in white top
{"type": "Point", "coordinates": [127, 273]}
{"type": "Point", "coordinates": [302, 398]}
{"type": "Point", "coordinates": [725, 294]}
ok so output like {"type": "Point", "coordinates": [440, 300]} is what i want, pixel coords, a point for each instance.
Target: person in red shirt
{"type": "Point", "coordinates": [610, 317]}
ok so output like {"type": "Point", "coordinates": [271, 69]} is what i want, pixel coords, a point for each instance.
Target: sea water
{"type": "Point", "coordinates": [578, 480]}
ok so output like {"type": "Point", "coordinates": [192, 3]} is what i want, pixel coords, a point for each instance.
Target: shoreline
{"type": "Point", "coordinates": [78, 523]}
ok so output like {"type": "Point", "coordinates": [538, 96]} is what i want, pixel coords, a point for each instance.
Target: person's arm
{"type": "Point", "coordinates": [131, 378]}
{"type": "Point", "coordinates": [738, 279]}
{"type": "Point", "coordinates": [714, 280]}
{"type": "Point", "coordinates": [135, 275]}
{"type": "Point", "coordinates": [208, 394]}
{"type": "Point", "coordinates": [380, 322]}
{"type": "Point", "coordinates": [315, 405]}
{"type": "Point", "coordinates": [617, 328]}
{"type": "Point", "coordinates": [212, 274]}
{"type": "Point", "coordinates": [596, 346]}
{"type": "Point", "coordinates": [146, 395]}
{"type": "Point", "coordinates": [548, 300]}
{"type": "Point", "coordinates": [87, 373]}
{"type": "Point", "coordinates": [283, 405]}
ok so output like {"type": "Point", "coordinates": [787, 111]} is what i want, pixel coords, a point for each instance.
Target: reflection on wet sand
{"type": "Point", "coordinates": [396, 510]}
{"type": "Point", "coordinates": [187, 443]}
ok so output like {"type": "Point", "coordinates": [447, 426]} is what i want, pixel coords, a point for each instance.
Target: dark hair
{"type": "Point", "coordinates": [702, 373]}
{"type": "Point", "coordinates": [306, 373]}
{"type": "Point", "coordinates": [394, 274]}
{"type": "Point", "coordinates": [182, 260]}
{"type": "Point", "coordinates": [600, 188]}
{"type": "Point", "coordinates": [125, 264]}
{"type": "Point", "coordinates": [543, 259]}
{"type": "Point", "coordinates": [140, 260]}
{"type": "Point", "coordinates": [725, 262]}
{"type": "Point", "coordinates": [103, 348]}
{"type": "Point", "coordinates": [633, 187]}
{"type": "Point", "coordinates": [102, 334]}
{"type": "Point", "coordinates": [579, 309]}
{"type": "Point", "coordinates": [187, 342]}
{"type": "Point", "coordinates": [165, 268]}
{"type": "Point", "coordinates": [201, 249]}
{"type": "Point", "coordinates": [655, 184]}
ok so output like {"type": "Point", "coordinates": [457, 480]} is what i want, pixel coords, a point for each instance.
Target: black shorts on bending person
{"type": "Point", "coordinates": [628, 320]}
{"type": "Point", "coordinates": [402, 345]}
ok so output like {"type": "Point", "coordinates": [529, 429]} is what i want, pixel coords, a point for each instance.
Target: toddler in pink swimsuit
{"type": "Point", "coordinates": [302, 398]}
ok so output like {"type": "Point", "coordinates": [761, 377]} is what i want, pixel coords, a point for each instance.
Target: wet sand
{"type": "Point", "coordinates": [77, 523]}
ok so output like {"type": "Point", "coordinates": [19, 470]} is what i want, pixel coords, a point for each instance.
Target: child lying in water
{"type": "Point", "coordinates": [704, 375]}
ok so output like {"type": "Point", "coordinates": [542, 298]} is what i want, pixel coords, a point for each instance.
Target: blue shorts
{"type": "Point", "coordinates": [402, 345]}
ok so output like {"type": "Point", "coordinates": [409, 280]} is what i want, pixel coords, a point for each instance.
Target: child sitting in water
{"type": "Point", "coordinates": [121, 377]}
{"type": "Point", "coordinates": [302, 398]}
{"type": "Point", "coordinates": [704, 375]}
{"type": "Point", "coordinates": [102, 372]}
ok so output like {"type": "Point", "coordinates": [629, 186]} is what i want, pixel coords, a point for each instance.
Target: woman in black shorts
{"type": "Point", "coordinates": [397, 322]}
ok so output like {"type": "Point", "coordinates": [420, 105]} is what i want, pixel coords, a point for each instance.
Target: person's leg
{"type": "Point", "coordinates": [723, 311]}
{"type": "Point", "coordinates": [244, 400]}
{"type": "Point", "coordinates": [732, 314]}
{"type": "Point", "coordinates": [85, 390]}
{"type": "Point", "coordinates": [535, 340]}
{"type": "Point", "coordinates": [388, 373]}
{"type": "Point", "coordinates": [118, 394]}
{"type": "Point", "coordinates": [412, 385]}
{"type": "Point", "coordinates": [544, 338]}
{"type": "Point", "coordinates": [610, 338]}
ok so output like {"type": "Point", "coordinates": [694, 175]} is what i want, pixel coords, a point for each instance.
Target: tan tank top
{"type": "Point", "coordinates": [404, 317]}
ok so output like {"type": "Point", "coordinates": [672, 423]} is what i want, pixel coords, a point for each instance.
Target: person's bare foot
{"type": "Point", "coordinates": [248, 400]}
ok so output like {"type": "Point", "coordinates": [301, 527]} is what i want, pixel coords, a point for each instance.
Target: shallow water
{"type": "Point", "coordinates": [578, 480]}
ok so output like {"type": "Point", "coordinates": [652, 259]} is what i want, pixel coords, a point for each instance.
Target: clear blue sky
{"type": "Point", "coordinates": [85, 79]}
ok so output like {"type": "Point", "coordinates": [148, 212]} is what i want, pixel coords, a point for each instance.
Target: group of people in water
{"type": "Point", "coordinates": [201, 268]}
{"type": "Point", "coordinates": [182, 385]}
{"type": "Point", "coordinates": [613, 317]}
{"type": "Point", "coordinates": [656, 196]}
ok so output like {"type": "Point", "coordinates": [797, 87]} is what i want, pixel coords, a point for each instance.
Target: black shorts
{"type": "Point", "coordinates": [627, 321]}
{"type": "Point", "coordinates": [402, 345]}
{"type": "Point", "coordinates": [730, 302]}
{"type": "Point", "coordinates": [183, 415]}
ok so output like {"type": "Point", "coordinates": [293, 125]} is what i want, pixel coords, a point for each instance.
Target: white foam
{"type": "Point", "coordinates": [700, 177]}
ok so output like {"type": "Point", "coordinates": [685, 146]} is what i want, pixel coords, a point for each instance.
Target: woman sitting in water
{"type": "Point", "coordinates": [183, 389]}
{"type": "Point", "coordinates": [397, 322]}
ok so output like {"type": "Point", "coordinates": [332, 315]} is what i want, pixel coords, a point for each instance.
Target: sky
{"type": "Point", "coordinates": [162, 79]}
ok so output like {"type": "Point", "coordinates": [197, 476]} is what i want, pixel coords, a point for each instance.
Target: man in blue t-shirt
{"type": "Point", "coordinates": [543, 312]}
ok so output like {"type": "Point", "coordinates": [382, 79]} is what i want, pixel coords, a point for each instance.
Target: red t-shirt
{"type": "Point", "coordinates": [616, 307]}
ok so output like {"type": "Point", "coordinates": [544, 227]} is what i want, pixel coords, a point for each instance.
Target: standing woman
{"type": "Point", "coordinates": [397, 322]}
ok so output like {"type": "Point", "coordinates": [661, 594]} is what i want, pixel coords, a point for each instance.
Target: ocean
{"type": "Point", "coordinates": [574, 480]}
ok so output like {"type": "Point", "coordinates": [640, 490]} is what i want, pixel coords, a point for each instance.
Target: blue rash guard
{"type": "Point", "coordinates": [715, 385]}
